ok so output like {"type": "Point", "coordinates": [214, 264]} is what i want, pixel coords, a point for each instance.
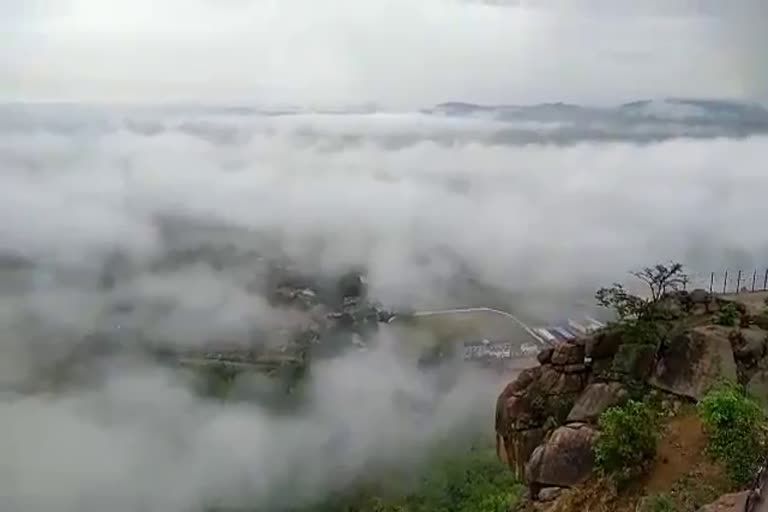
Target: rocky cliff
{"type": "Point", "coordinates": [546, 419]}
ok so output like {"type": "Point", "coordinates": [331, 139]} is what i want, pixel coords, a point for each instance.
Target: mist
{"type": "Point", "coordinates": [160, 160]}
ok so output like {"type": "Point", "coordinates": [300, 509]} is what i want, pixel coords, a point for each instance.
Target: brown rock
{"type": "Point", "coordinates": [567, 353]}
{"type": "Point", "coordinates": [573, 368]}
{"type": "Point", "coordinates": [634, 360]}
{"type": "Point", "coordinates": [690, 364]}
{"type": "Point", "coordinates": [516, 448]}
{"type": "Point", "coordinates": [565, 459]}
{"type": "Point", "coordinates": [553, 382]}
{"type": "Point", "coordinates": [545, 356]}
{"type": "Point", "coordinates": [727, 503]}
{"type": "Point", "coordinates": [604, 344]}
{"type": "Point", "coordinates": [758, 388]}
{"type": "Point", "coordinates": [595, 399]}
{"type": "Point", "coordinates": [749, 344]}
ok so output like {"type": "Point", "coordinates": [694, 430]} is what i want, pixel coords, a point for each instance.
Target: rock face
{"type": "Point", "coordinates": [540, 396]}
{"type": "Point", "coordinates": [595, 399]}
{"type": "Point", "coordinates": [565, 459]}
{"type": "Point", "coordinates": [692, 363]}
{"type": "Point", "coordinates": [758, 387]}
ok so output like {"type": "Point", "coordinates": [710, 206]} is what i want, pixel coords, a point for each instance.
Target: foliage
{"type": "Point", "coordinates": [734, 424]}
{"type": "Point", "coordinates": [662, 278]}
{"type": "Point", "coordinates": [659, 503]}
{"type": "Point", "coordinates": [728, 315]}
{"type": "Point", "coordinates": [627, 441]}
{"type": "Point", "coordinates": [470, 482]}
{"type": "Point", "coordinates": [626, 305]}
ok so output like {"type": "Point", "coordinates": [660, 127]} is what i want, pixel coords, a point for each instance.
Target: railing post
{"type": "Point", "coordinates": [754, 278]}
{"type": "Point", "coordinates": [738, 281]}
{"type": "Point", "coordinates": [712, 281]}
{"type": "Point", "coordinates": [725, 282]}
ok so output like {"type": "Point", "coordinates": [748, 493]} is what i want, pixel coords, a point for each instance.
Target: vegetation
{"type": "Point", "coordinates": [728, 315]}
{"type": "Point", "coordinates": [641, 320]}
{"type": "Point", "coordinates": [470, 482]}
{"type": "Point", "coordinates": [734, 424]}
{"type": "Point", "coordinates": [628, 440]}
{"type": "Point", "coordinates": [659, 503]}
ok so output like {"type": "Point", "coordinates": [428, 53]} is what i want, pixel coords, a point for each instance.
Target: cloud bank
{"type": "Point", "coordinates": [436, 221]}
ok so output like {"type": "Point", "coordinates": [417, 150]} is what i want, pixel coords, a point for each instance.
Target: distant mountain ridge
{"type": "Point", "coordinates": [682, 110]}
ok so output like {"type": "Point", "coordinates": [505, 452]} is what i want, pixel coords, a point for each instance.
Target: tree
{"type": "Point", "coordinates": [662, 278]}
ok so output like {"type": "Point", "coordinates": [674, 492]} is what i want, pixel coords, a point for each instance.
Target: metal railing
{"type": "Point", "coordinates": [729, 281]}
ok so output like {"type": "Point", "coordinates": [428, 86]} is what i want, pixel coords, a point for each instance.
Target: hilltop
{"type": "Point", "coordinates": [663, 410]}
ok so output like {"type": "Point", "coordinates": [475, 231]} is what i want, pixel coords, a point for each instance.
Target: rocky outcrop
{"type": "Point", "coordinates": [541, 397]}
{"type": "Point", "coordinates": [565, 459]}
{"type": "Point", "coordinates": [691, 363]}
{"type": "Point", "coordinates": [595, 399]}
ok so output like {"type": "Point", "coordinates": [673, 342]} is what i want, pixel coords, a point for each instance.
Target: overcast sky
{"type": "Point", "coordinates": [392, 52]}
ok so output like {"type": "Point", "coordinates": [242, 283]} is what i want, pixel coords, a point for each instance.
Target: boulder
{"type": "Point", "coordinates": [749, 344]}
{"type": "Point", "coordinates": [634, 360]}
{"type": "Point", "coordinates": [700, 296]}
{"type": "Point", "coordinates": [515, 449]}
{"type": "Point", "coordinates": [567, 353]}
{"type": "Point", "coordinates": [545, 356]}
{"type": "Point", "coordinates": [690, 364]}
{"type": "Point", "coordinates": [604, 344]}
{"type": "Point", "coordinates": [735, 502]}
{"type": "Point", "coordinates": [758, 387]}
{"type": "Point", "coordinates": [565, 459]}
{"type": "Point", "coordinates": [553, 382]}
{"type": "Point", "coordinates": [595, 399]}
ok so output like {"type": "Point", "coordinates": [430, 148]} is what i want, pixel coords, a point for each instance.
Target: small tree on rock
{"type": "Point", "coordinates": [662, 278]}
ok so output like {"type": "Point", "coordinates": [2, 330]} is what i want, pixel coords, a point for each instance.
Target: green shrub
{"type": "Point", "coordinates": [733, 422]}
{"type": "Point", "coordinates": [627, 441]}
{"type": "Point", "coordinates": [728, 315]}
{"type": "Point", "coordinates": [659, 503]}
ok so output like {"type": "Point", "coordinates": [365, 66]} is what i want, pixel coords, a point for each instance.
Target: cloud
{"type": "Point", "coordinates": [341, 52]}
{"type": "Point", "coordinates": [445, 215]}
{"type": "Point", "coordinates": [142, 441]}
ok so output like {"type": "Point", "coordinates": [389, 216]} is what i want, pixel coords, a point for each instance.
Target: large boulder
{"type": "Point", "coordinates": [565, 459]}
{"type": "Point", "coordinates": [567, 354]}
{"type": "Point", "coordinates": [595, 399]}
{"type": "Point", "coordinates": [749, 344]}
{"type": "Point", "coordinates": [758, 388]}
{"type": "Point", "coordinates": [604, 344]}
{"type": "Point", "coordinates": [690, 364]}
{"type": "Point", "coordinates": [634, 360]}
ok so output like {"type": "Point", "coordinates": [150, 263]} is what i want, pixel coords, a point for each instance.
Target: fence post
{"type": "Point", "coordinates": [712, 281]}
{"type": "Point", "coordinates": [765, 280]}
{"type": "Point", "coordinates": [738, 281]}
{"type": "Point", "coordinates": [685, 282]}
{"type": "Point", "coordinates": [754, 278]}
{"type": "Point", "coordinates": [725, 281]}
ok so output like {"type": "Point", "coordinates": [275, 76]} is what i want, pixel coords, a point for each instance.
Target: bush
{"type": "Point", "coordinates": [659, 503]}
{"type": "Point", "coordinates": [627, 441]}
{"type": "Point", "coordinates": [728, 315]}
{"type": "Point", "coordinates": [733, 421]}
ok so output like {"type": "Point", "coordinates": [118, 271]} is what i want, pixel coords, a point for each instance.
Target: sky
{"type": "Point", "coordinates": [394, 53]}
